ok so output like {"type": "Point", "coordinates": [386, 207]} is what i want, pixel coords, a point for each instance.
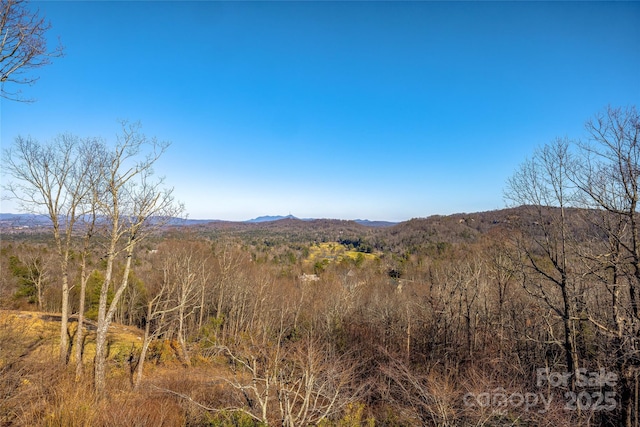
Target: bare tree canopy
{"type": "Point", "coordinates": [55, 178]}
{"type": "Point", "coordinates": [23, 46]}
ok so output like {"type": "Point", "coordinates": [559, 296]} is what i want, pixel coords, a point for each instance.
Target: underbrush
{"type": "Point", "coordinates": [36, 390]}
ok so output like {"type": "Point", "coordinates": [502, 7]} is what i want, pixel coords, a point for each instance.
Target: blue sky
{"type": "Point", "coordinates": [378, 110]}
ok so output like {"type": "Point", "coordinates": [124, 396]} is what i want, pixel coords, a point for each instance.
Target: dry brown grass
{"type": "Point", "coordinates": [35, 390]}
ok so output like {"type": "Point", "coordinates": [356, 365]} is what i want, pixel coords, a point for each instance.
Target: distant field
{"type": "Point", "coordinates": [336, 252]}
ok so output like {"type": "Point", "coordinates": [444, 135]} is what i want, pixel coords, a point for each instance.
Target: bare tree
{"type": "Point", "coordinates": [38, 274]}
{"type": "Point", "coordinates": [158, 310]}
{"type": "Point", "coordinates": [501, 273]}
{"type": "Point", "coordinates": [432, 398]}
{"type": "Point", "coordinates": [303, 383]}
{"type": "Point", "coordinates": [228, 258]}
{"type": "Point", "coordinates": [134, 205]}
{"type": "Point", "coordinates": [609, 178]}
{"type": "Point", "coordinates": [52, 179]}
{"type": "Point", "coordinates": [183, 265]}
{"type": "Point", "coordinates": [94, 150]}
{"type": "Point", "coordinates": [23, 45]}
{"type": "Point", "coordinates": [543, 182]}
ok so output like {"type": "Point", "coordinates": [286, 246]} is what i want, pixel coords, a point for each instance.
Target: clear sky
{"type": "Point", "coordinates": [377, 110]}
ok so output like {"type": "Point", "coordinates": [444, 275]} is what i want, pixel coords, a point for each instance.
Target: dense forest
{"type": "Point", "coordinates": [116, 314]}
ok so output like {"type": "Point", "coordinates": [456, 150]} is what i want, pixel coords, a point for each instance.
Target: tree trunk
{"type": "Point", "coordinates": [80, 330]}
{"type": "Point", "coordinates": [100, 358]}
{"type": "Point", "coordinates": [145, 347]}
{"type": "Point", "coordinates": [103, 325]}
{"type": "Point", "coordinates": [181, 340]}
{"type": "Point", "coordinates": [64, 317]}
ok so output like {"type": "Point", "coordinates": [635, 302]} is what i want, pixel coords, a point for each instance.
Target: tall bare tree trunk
{"type": "Point", "coordinates": [64, 321]}
{"type": "Point", "coordinates": [145, 347]}
{"type": "Point", "coordinates": [104, 320]}
{"type": "Point", "coordinates": [64, 311]}
{"type": "Point", "coordinates": [79, 345]}
{"type": "Point", "coordinates": [103, 325]}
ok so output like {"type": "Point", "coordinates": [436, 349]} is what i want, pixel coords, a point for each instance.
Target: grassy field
{"type": "Point", "coordinates": [37, 390]}
{"type": "Point", "coordinates": [336, 252]}
{"type": "Point", "coordinates": [44, 329]}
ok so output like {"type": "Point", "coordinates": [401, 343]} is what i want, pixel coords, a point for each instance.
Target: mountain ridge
{"type": "Point", "coordinates": [41, 220]}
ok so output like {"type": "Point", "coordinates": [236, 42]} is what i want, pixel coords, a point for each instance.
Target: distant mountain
{"type": "Point", "coordinates": [16, 220]}
{"type": "Point", "coordinates": [187, 221]}
{"type": "Point", "coordinates": [35, 220]}
{"type": "Point", "coordinates": [365, 222]}
{"type": "Point", "coordinates": [268, 218]}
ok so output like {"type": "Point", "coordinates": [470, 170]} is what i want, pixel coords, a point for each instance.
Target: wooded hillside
{"type": "Point", "coordinates": [438, 314]}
